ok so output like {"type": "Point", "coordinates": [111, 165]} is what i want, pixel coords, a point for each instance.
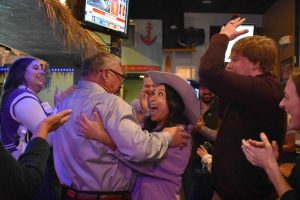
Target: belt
{"type": "Point", "coordinates": [78, 195]}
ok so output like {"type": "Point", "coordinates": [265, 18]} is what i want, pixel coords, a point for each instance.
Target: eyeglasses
{"type": "Point", "coordinates": [123, 78]}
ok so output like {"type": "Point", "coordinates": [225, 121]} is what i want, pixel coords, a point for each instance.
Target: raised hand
{"type": "Point", "coordinates": [60, 96]}
{"type": "Point", "coordinates": [144, 101]}
{"type": "Point", "coordinates": [200, 124]}
{"type": "Point", "coordinates": [230, 28]}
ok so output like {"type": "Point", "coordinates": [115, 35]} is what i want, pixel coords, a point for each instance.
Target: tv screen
{"type": "Point", "coordinates": [108, 16]}
{"type": "Point", "coordinates": [250, 28]}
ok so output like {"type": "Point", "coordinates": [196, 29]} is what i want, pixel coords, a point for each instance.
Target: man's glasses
{"type": "Point", "coordinates": [123, 78]}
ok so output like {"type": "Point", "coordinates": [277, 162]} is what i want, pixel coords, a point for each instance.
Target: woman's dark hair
{"type": "Point", "coordinates": [16, 76]}
{"type": "Point", "coordinates": [176, 111]}
{"type": "Point", "coordinates": [16, 73]}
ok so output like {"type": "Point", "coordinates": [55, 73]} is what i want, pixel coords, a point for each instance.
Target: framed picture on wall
{"type": "Point", "coordinates": [286, 68]}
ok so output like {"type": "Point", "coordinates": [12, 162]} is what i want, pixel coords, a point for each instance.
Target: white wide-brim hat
{"type": "Point", "coordinates": [183, 88]}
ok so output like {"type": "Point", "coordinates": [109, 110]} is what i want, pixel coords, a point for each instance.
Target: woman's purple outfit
{"type": "Point", "coordinates": [161, 179]}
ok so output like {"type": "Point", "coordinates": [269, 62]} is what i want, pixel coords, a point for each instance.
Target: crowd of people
{"type": "Point", "coordinates": [167, 144]}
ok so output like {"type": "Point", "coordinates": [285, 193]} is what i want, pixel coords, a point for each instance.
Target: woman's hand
{"type": "Point", "coordinates": [93, 129]}
{"type": "Point", "coordinates": [262, 154]}
{"type": "Point", "coordinates": [51, 123]}
{"type": "Point", "coordinates": [144, 102]}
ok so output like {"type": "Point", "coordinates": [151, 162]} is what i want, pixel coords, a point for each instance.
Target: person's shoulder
{"type": "Point", "coordinates": [22, 93]}
{"type": "Point", "coordinates": [112, 99]}
{"type": "Point", "coordinates": [121, 101]}
{"type": "Point", "coordinates": [270, 77]}
{"type": "Point", "coordinates": [19, 91]}
{"type": "Point", "coordinates": [135, 101]}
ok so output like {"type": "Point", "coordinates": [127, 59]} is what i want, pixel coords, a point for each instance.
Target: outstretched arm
{"type": "Point", "coordinates": [51, 123]}
{"type": "Point", "coordinates": [264, 154]}
{"type": "Point", "coordinates": [134, 143]}
{"type": "Point", "coordinates": [95, 130]}
{"type": "Point", "coordinates": [21, 179]}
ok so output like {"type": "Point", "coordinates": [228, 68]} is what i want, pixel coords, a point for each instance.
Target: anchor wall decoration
{"type": "Point", "coordinates": [147, 39]}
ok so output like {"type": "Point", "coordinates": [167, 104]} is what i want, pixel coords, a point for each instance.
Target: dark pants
{"type": "Point", "coordinates": [197, 184]}
{"type": "Point", "coordinates": [50, 188]}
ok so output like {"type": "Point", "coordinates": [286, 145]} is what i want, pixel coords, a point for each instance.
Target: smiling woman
{"type": "Point", "coordinates": [25, 79]}
{"type": "Point", "coordinates": [21, 113]}
{"type": "Point", "coordinates": [264, 153]}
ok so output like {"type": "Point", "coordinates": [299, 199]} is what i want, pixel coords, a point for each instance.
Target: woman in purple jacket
{"type": "Point", "coordinates": [174, 103]}
{"type": "Point", "coordinates": [21, 108]}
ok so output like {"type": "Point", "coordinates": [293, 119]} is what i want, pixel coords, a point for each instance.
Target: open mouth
{"type": "Point", "coordinates": [150, 93]}
{"type": "Point", "coordinates": [153, 108]}
{"type": "Point", "coordinates": [40, 77]}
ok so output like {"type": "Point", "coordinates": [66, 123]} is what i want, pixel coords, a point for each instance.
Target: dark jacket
{"type": "Point", "coordinates": [252, 107]}
{"type": "Point", "coordinates": [21, 179]}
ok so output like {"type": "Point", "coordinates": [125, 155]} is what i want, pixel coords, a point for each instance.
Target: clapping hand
{"type": "Point", "coordinates": [261, 153]}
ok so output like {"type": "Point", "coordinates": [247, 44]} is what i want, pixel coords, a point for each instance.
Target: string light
{"type": "Point", "coordinates": [61, 69]}
{"type": "Point", "coordinates": [52, 69]}
{"type": "Point", "coordinates": [4, 69]}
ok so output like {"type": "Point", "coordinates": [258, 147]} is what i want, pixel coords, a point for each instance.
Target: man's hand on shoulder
{"type": "Point", "coordinates": [180, 137]}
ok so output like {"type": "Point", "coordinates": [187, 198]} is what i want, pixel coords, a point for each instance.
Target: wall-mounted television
{"type": "Point", "coordinates": [107, 16]}
{"type": "Point", "coordinates": [250, 28]}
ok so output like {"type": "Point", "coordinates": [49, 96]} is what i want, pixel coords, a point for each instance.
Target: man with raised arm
{"type": "Point", "coordinates": [252, 94]}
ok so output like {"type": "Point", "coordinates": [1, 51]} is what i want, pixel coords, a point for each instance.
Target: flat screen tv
{"type": "Point", "coordinates": [250, 28]}
{"type": "Point", "coordinates": [107, 16]}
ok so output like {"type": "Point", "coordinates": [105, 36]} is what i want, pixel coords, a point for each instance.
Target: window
{"type": "Point", "coordinates": [187, 72]}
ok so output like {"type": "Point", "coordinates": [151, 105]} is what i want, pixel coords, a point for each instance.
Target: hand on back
{"type": "Point", "coordinates": [94, 129]}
